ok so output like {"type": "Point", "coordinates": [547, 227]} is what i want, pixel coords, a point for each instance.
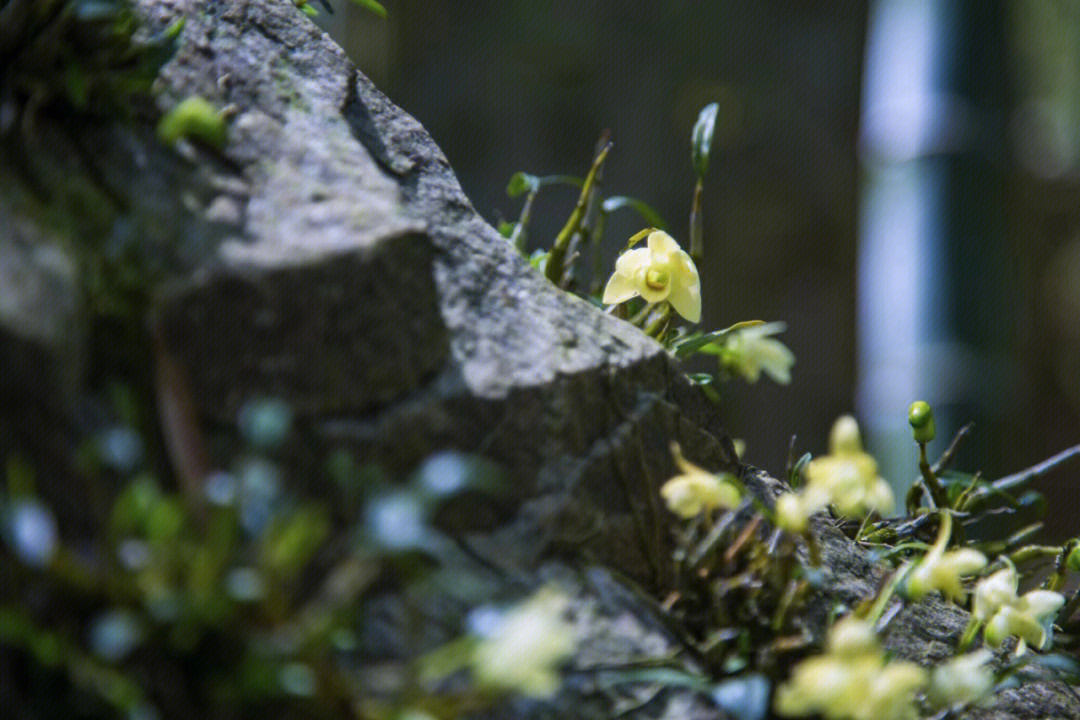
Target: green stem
{"type": "Point", "coordinates": [1069, 609]}
{"type": "Point", "coordinates": [519, 237]}
{"type": "Point", "coordinates": [968, 637]}
{"type": "Point", "coordinates": [697, 244]}
{"type": "Point", "coordinates": [937, 491]}
{"type": "Point", "coordinates": [556, 263]}
{"type": "Point", "coordinates": [881, 602]}
{"type": "Point", "coordinates": [657, 324]}
{"type": "Point", "coordinates": [812, 548]}
{"type": "Point", "coordinates": [640, 316]}
{"type": "Point", "coordinates": [1032, 552]}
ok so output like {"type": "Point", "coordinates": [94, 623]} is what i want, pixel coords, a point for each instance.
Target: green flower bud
{"type": "Point", "coordinates": [921, 418]}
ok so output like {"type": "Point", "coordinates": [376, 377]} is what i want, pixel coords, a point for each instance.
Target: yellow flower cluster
{"type": "Point", "coordinates": [853, 680]}
{"type": "Point", "coordinates": [1028, 617]}
{"type": "Point", "coordinates": [697, 490]}
{"type": "Point", "coordinates": [847, 478]}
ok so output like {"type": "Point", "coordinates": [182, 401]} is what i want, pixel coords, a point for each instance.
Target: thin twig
{"type": "Point", "coordinates": [1024, 476]}
{"type": "Point", "coordinates": [947, 457]}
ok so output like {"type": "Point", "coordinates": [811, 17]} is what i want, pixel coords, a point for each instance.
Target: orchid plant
{"type": "Point", "coordinates": [654, 287]}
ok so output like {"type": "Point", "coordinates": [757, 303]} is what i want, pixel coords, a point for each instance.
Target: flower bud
{"type": "Point", "coordinates": [921, 418]}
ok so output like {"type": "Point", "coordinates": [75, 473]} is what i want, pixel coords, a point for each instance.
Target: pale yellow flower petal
{"type": "Point", "coordinates": [631, 261]}
{"type": "Point", "coordinates": [1042, 603]}
{"type": "Point", "coordinates": [685, 295]}
{"type": "Point", "coordinates": [844, 437]}
{"type": "Point", "coordinates": [660, 243]}
{"type": "Point", "coordinates": [963, 680]}
{"type": "Point", "coordinates": [620, 288]}
{"type": "Point", "coordinates": [994, 592]}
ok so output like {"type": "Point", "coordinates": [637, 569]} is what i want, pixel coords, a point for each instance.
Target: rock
{"type": "Point", "coordinates": [363, 288]}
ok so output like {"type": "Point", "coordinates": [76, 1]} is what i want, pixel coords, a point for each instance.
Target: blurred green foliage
{"type": "Point", "coordinates": [243, 600]}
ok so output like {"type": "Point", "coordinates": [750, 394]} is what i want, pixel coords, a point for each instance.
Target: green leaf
{"type": "Point", "coordinates": [667, 677]}
{"type": "Point", "coordinates": [797, 469]}
{"type": "Point", "coordinates": [520, 183]}
{"type": "Point", "coordinates": [373, 6]}
{"type": "Point", "coordinates": [646, 211]}
{"type": "Point", "coordinates": [701, 378]}
{"type": "Point", "coordinates": [539, 259]}
{"type": "Point", "coordinates": [701, 138]}
{"type": "Point", "coordinates": [694, 343]}
{"type": "Point", "coordinates": [506, 229]}
{"type": "Point", "coordinates": [289, 546]}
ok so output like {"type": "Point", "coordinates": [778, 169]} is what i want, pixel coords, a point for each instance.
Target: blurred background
{"type": "Point", "coordinates": [898, 180]}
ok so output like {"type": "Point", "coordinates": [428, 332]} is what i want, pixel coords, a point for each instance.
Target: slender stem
{"type": "Point", "coordinates": [556, 263]}
{"type": "Point", "coordinates": [949, 455]}
{"type": "Point", "coordinates": [887, 592]}
{"type": "Point", "coordinates": [812, 548]}
{"type": "Point", "coordinates": [1032, 552]}
{"type": "Point", "coordinates": [937, 491]}
{"type": "Point", "coordinates": [1015, 480]}
{"type": "Point", "coordinates": [1069, 609]}
{"type": "Point", "coordinates": [657, 324]}
{"type": "Point", "coordinates": [640, 316]}
{"type": "Point", "coordinates": [968, 637]}
{"type": "Point", "coordinates": [521, 233]}
{"type": "Point", "coordinates": [697, 244]}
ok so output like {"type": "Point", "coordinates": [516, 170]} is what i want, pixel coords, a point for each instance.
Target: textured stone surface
{"type": "Point", "coordinates": [362, 287]}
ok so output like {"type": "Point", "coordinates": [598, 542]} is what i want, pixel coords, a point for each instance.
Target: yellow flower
{"type": "Point", "coordinates": [941, 570]}
{"type": "Point", "coordinates": [793, 509]}
{"type": "Point", "coordinates": [848, 475]}
{"type": "Point", "coordinates": [751, 351]}
{"type": "Point", "coordinates": [853, 680]}
{"type": "Point", "coordinates": [697, 491]}
{"type": "Point", "coordinates": [661, 271]}
{"type": "Point", "coordinates": [962, 681]}
{"type": "Point", "coordinates": [523, 651]}
{"type": "Point", "coordinates": [993, 593]}
{"type": "Point", "coordinates": [1029, 617]}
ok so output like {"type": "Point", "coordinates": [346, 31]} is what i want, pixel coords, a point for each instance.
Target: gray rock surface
{"type": "Point", "coordinates": [329, 257]}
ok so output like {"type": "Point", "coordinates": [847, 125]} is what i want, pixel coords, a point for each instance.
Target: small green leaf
{"type": "Point", "coordinates": [506, 229]}
{"type": "Point", "coordinates": [695, 343]}
{"type": "Point", "coordinates": [646, 211]}
{"type": "Point", "coordinates": [520, 183]}
{"type": "Point", "coordinates": [701, 138]}
{"type": "Point", "coordinates": [539, 259]}
{"type": "Point", "coordinates": [701, 378]}
{"type": "Point", "coordinates": [373, 6]}
{"type": "Point", "coordinates": [289, 546]}
{"type": "Point", "coordinates": [797, 470]}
